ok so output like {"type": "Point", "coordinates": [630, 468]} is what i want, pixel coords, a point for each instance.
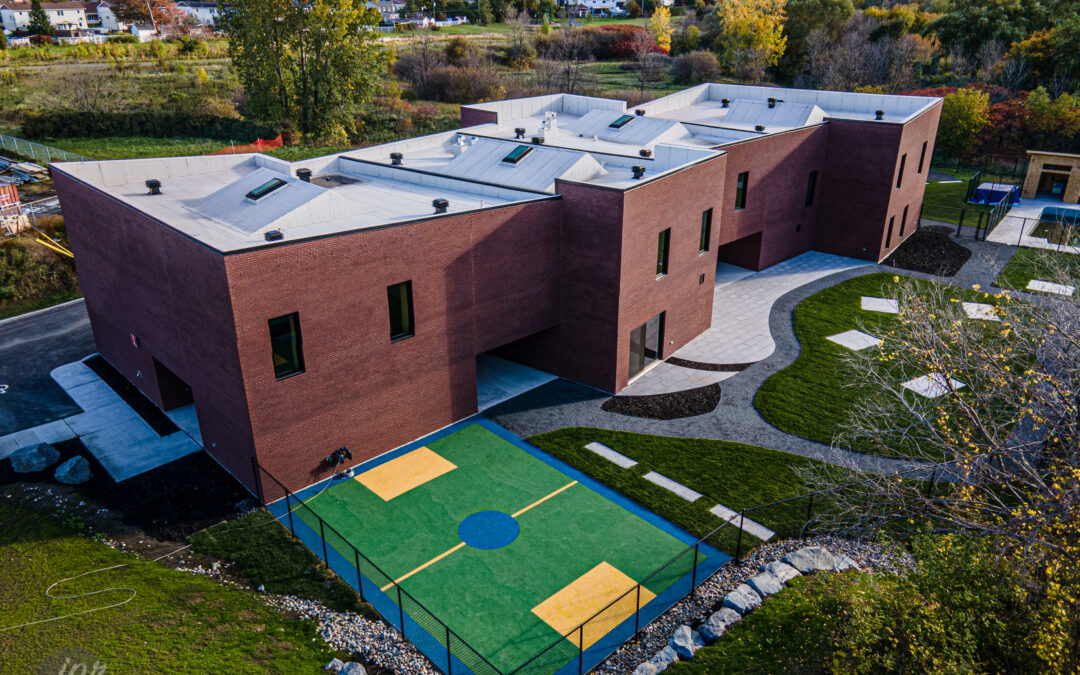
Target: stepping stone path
{"type": "Point", "coordinates": [981, 311]}
{"type": "Point", "coordinates": [670, 485]}
{"type": "Point", "coordinates": [932, 386]}
{"type": "Point", "coordinates": [855, 340]}
{"type": "Point", "coordinates": [749, 526]}
{"type": "Point", "coordinates": [686, 641]}
{"type": "Point", "coordinates": [610, 455]}
{"type": "Point", "coordinates": [883, 305]}
{"type": "Point", "coordinates": [1050, 287]}
{"type": "Point", "coordinates": [718, 624]}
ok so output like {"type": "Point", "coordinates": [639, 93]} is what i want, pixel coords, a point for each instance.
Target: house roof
{"type": "Point", "coordinates": [25, 6]}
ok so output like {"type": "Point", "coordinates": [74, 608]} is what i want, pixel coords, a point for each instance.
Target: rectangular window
{"type": "Point", "coordinates": [622, 121]}
{"type": "Point", "coordinates": [811, 187]}
{"type": "Point", "coordinates": [900, 173]}
{"type": "Point", "coordinates": [399, 298]}
{"type": "Point", "coordinates": [264, 189]}
{"type": "Point", "coordinates": [662, 247]}
{"type": "Point", "coordinates": [517, 154]}
{"type": "Point", "coordinates": [922, 156]}
{"type": "Point", "coordinates": [888, 235]}
{"type": "Point", "coordinates": [903, 221]}
{"type": "Point", "coordinates": [706, 231]}
{"type": "Point", "coordinates": [286, 346]}
{"type": "Point", "coordinates": [740, 190]}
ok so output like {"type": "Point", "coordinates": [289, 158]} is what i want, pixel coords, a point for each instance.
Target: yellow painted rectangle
{"type": "Point", "coordinates": [585, 596]}
{"type": "Point", "coordinates": [404, 473]}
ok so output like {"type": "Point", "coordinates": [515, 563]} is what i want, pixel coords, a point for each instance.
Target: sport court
{"type": "Point", "coordinates": [507, 546]}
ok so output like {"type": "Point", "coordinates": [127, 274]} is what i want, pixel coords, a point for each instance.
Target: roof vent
{"type": "Point", "coordinates": [396, 157]}
{"type": "Point", "coordinates": [879, 114]}
{"type": "Point", "coordinates": [154, 186]}
{"type": "Point", "coordinates": [274, 235]}
{"type": "Point", "coordinates": [440, 205]}
{"type": "Point", "coordinates": [538, 140]}
{"type": "Point", "coordinates": [645, 152]}
{"type": "Point", "coordinates": [638, 170]}
{"type": "Point", "coordinates": [725, 102]}
{"type": "Point", "coordinates": [519, 132]}
{"type": "Point", "coordinates": [772, 101]}
{"type": "Point", "coordinates": [759, 127]}
{"type": "Point", "coordinates": [304, 175]}
{"type": "Point", "coordinates": [640, 112]}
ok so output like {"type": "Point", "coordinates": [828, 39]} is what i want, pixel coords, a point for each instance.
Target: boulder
{"type": "Point", "coordinates": [352, 668]}
{"type": "Point", "coordinates": [685, 642]}
{"type": "Point", "coordinates": [335, 666]}
{"type": "Point", "coordinates": [765, 584]}
{"type": "Point", "coordinates": [843, 562]}
{"type": "Point", "coordinates": [811, 559]}
{"type": "Point", "coordinates": [783, 571]}
{"type": "Point", "coordinates": [645, 669]}
{"type": "Point", "coordinates": [664, 658]}
{"type": "Point", "coordinates": [35, 458]}
{"type": "Point", "coordinates": [718, 624]}
{"type": "Point", "coordinates": [742, 599]}
{"type": "Point", "coordinates": [74, 471]}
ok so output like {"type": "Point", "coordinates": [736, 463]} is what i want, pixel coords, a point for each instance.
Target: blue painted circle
{"type": "Point", "coordinates": [489, 530]}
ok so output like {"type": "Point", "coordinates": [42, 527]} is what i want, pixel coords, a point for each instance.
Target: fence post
{"type": "Point", "coordinates": [738, 544]}
{"type": "Point", "coordinates": [258, 481]}
{"type": "Point", "coordinates": [449, 656]}
{"type": "Point", "coordinates": [581, 650]}
{"type": "Point", "coordinates": [322, 535]}
{"type": "Point", "coordinates": [809, 512]}
{"type": "Point", "coordinates": [401, 612]}
{"type": "Point", "coordinates": [359, 577]}
{"type": "Point", "coordinates": [978, 227]}
{"type": "Point", "coordinates": [1023, 226]}
{"type": "Point", "coordinates": [288, 509]}
{"type": "Point", "coordinates": [918, 219]}
{"type": "Point", "coordinates": [693, 574]}
{"type": "Point", "coordinates": [637, 611]}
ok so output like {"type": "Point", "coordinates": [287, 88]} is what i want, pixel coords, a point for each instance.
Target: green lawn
{"type": "Point", "coordinates": [611, 76]}
{"type": "Point", "coordinates": [175, 623]}
{"type": "Point", "coordinates": [1034, 263]}
{"type": "Point", "coordinates": [735, 475]}
{"type": "Point", "coordinates": [944, 201]}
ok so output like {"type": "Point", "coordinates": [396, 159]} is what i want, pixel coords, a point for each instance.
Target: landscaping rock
{"type": "Point", "coordinates": [765, 584]}
{"type": "Point", "coordinates": [811, 559]}
{"type": "Point", "coordinates": [685, 642]}
{"type": "Point", "coordinates": [74, 471]}
{"type": "Point", "coordinates": [335, 666]}
{"type": "Point", "coordinates": [664, 658]}
{"type": "Point", "coordinates": [353, 669]}
{"type": "Point", "coordinates": [645, 669]}
{"type": "Point", "coordinates": [34, 459]}
{"type": "Point", "coordinates": [783, 571]}
{"type": "Point", "coordinates": [718, 624]}
{"type": "Point", "coordinates": [842, 562]}
{"type": "Point", "coordinates": [742, 599]}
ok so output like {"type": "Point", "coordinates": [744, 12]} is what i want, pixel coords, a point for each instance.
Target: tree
{"type": "Point", "coordinates": [315, 63]}
{"type": "Point", "coordinates": [969, 24]}
{"type": "Point", "coordinates": [563, 68]}
{"type": "Point", "coordinates": [162, 13]}
{"type": "Point", "coordinates": [805, 16]}
{"type": "Point", "coordinates": [750, 35]}
{"type": "Point", "coordinates": [651, 62]}
{"type": "Point", "coordinates": [695, 67]}
{"type": "Point", "coordinates": [545, 25]}
{"type": "Point", "coordinates": [964, 115]}
{"type": "Point", "coordinates": [660, 29]}
{"type": "Point", "coordinates": [39, 20]}
{"type": "Point", "coordinates": [484, 15]}
{"type": "Point", "coordinates": [519, 53]}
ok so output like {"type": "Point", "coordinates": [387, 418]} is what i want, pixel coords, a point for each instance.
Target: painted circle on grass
{"type": "Point", "coordinates": [489, 530]}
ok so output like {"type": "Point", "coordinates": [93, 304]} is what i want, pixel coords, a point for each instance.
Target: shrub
{"type": "Point", "coordinates": [460, 50]}
{"type": "Point", "coordinates": [153, 123]}
{"type": "Point", "coordinates": [695, 67]}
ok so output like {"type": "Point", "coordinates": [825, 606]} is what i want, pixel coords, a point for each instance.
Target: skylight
{"type": "Point", "coordinates": [621, 122]}
{"type": "Point", "coordinates": [264, 189]}
{"type": "Point", "coordinates": [517, 154]}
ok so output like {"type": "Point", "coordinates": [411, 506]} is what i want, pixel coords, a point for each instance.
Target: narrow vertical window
{"type": "Point", "coordinates": [706, 231]}
{"type": "Point", "coordinates": [286, 346]}
{"type": "Point", "coordinates": [740, 190]}
{"type": "Point", "coordinates": [662, 246]}
{"type": "Point", "coordinates": [903, 221]}
{"type": "Point", "coordinates": [900, 173]}
{"type": "Point", "coordinates": [399, 298]}
{"type": "Point", "coordinates": [922, 156]}
{"type": "Point", "coordinates": [888, 235]}
{"type": "Point", "coordinates": [811, 187]}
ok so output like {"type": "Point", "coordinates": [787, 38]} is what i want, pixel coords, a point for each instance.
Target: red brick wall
{"type": "Point", "coordinates": [142, 278]}
{"type": "Point", "coordinates": [913, 185]}
{"type": "Point", "coordinates": [471, 117]}
{"type": "Point", "coordinates": [478, 280]}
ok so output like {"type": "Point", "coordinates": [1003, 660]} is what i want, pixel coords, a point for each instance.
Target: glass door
{"type": "Point", "coordinates": [646, 344]}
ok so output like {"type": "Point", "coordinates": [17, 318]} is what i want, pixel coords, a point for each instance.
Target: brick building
{"type": "Point", "coordinates": [342, 301]}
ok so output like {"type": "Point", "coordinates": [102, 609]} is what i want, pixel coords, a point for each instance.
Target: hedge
{"type": "Point", "coordinates": [152, 123]}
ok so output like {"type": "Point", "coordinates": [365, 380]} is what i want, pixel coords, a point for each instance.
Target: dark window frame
{"type": "Point", "coordinates": [922, 156]}
{"type": "Point", "coordinates": [903, 220]}
{"type": "Point", "coordinates": [742, 187]}
{"type": "Point", "coordinates": [408, 330]}
{"type": "Point", "coordinates": [517, 154]}
{"type": "Point", "coordinates": [705, 240]}
{"type": "Point", "coordinates": [888, 235]}
{"type": "Point", "coordinates": [900, 173]}
{"type": "Point", "coordinates": [811, 187]}
{"type": "Point", "coordinates": [621, 121]}
{"type": "Point", "coordinates": [296, 337]}
{"type": "Point", "coordinates": [663, 253]}
{"type": "Point", "coordinates": [265, 190]}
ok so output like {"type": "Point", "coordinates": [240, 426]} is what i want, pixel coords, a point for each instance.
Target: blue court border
{"type": "Point", "coordinates": [433, 646]}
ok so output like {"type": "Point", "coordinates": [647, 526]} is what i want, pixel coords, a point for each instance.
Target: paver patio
{"type": "Point", "coordinates": [1050, 287]}
{"type": "Point", "coordinates": [932, 386]}
{"type": "Point", "coordinates": [855, 340]}
{"type": "Point", "coordinates": [883, 305]}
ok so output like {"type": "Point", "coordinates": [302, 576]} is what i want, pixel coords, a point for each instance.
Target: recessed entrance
{"type": "Point", "coordinates": [1053, 181]}
{"type": "Point", "coordinates": [646, 344]}
{"type": "Point", "coordinates": [174, 391]}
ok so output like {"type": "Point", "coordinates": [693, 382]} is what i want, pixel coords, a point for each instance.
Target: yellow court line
{"type": "Point", "coordinates": [540, 501]}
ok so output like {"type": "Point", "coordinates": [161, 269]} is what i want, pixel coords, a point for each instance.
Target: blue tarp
{"type": "Point", "coordinates": [992, 193]}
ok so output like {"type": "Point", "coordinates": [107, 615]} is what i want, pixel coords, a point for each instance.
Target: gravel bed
{"type": "Point", "coordinates": [868, 556]}
{"type": "Point", "coordinates": [373, 641]}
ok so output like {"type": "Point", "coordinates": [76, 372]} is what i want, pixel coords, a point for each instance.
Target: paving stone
{"type": "Point", "coordinates": [668, 484]}
{"type": "Point", "coordinates": [781, 570]}
{"type": "Point", "coordinates": [718, 624]}
{"type": "Point", "coordinates": [742, 599]}
{"type": "Point", "coordinates": [1050, 287]}
{"type": "Point", "coordinates": [980, 310]}
{"type": "Point", "coordinates": [757, 529]}
{"type": "Point", "coordinates": [883, 305]}
{"type": "Point", "coordinates": [765, 584]}
{"type": "Point", "coordinates": [685, 642]}
{"type": "Point", "coordinates": [855, 340]}
{"type": "Point", "coordinates": [610, 455]}
{"type": "Point", "coordinates": [932, 386]}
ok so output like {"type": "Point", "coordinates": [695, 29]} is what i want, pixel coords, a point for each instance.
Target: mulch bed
{"type": "Point", "coordinates": [713, 367]}
{"type": "Point", "coordinates": [678, 405]}
{"type": "Point", "coordinates": [145, 408]}
{"type": "Point", "coordinates": [931, 251]}
{"type": "Point", "coordinates": [170, 502]}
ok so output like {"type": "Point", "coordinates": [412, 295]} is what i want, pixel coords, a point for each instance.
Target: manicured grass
{"type": "Point", "coordinates": [944, 201]}
{"type": "Point", "coordinates": [132, 147]}
{"type": "Point", "coordinates": [266, 554]}
{"type": "Point", "coordinates": [792, 632]}
{"type": "Point", "coordinates": [735, 475]}
{"type": "Point", "coordinates": [15, 309]}
{"type": "Point", "coordinates": [176, 622]}
{"type": "Point", "coordinates": [1034, 263]}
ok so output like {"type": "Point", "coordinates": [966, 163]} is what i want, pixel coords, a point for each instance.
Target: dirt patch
{"type": "Point", "coordinates": [678, 405]}
{"type": "Point", "coordinates": [931, 251]}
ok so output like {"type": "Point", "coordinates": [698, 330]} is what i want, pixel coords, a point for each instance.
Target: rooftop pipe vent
{"type": "Point", "coordinates": [519, 132]}
{"type": "Point", "coordinates": [537, 140]}
{"type": "Point", "coordinates": [396, 157]}
{"type": "Point", "coordinates": [640, 112]}
{"type": "Point", "coordinates": [274, 235]}
{"type": "Point", "coordinates": [154, 186]}
{"type": "Point", "coordinates": [772, 102]}
{"type": "Point", "coordinates": [725, 102]}
{"type": "Point", "coordinates": [440, 205]}
{"type": "Point", "coordinates": [759, 127]}
{"type": "Point", "coordinates": [639, 171]}
{"type": "Point", "coordinates": [879, 114]}
{"type": "Point", "coordinates": [645, 152]}
{"type": "Point", "coordinates": [304, 175]}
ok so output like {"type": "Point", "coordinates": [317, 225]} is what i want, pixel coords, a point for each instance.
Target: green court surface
{"type": "Point", "coordinates": [488, 596]}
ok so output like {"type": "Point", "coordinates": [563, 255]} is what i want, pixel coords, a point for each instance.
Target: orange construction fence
{"type": "Point", "coordinates": [258, 146]}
